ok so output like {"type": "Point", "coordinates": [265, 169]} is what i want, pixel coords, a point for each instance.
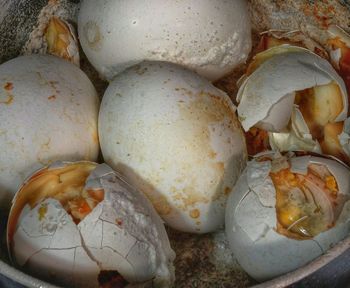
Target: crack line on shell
{"type": "Point", "coordinates": [85, 247]}
{"type": "Point", "coordinates": [319, 245]}
{"type": "Point", "coordinates": [56, 249]}
{"type": "Point", "coordinates": [132, 266]}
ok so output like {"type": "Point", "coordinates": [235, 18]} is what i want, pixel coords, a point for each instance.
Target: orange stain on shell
{"type": "Point", "coordinates": [195, 213]}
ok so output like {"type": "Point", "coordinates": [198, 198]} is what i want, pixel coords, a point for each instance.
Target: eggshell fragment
{"type": "Point", "coordinates": [122, 233]}
{"type": "Point", "coordinates": [186, 148]}
{"type": "Point", "coordinates": [280, 75]}
{"type": "Point", "coordinates": [61, 40]}
{"type": "Point", "coordinates": [251, 224]}
{"type": "Point", "coordinates": [209, 37]}
{"type": "Point", "coordinates": [297, 138]}
{"type": "Point", "coordinates": [49, 112]}
{"type": "Point", "coordinates": [344, 137]}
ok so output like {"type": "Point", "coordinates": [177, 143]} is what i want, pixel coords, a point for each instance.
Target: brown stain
{"type": "Point", "coordinates": [139, 70]}
{"type": "Point", "coordinates": [202, 110]}
{"type": "Point", "coordinates": [95, 138]}
{"type": "Point", "coordinates": [227, 190]}
{"type": "Point", "coordinates": [8, 101]}
{"type": "Point", "coordinates": [52, 97]}
{"type": "Point", "coordinates": [195, 213]}
{"type": "Point", "coordinates": [93, 35]}
{"type": "Point", "coordinates": [8, 86]}
{"type": "Point", "coordinates": [161, 205]}
{"type": "Point", "coordinates": [53, 85]}
{"type": "Point", "coordinates": [212, 154]}
{"type": "Point", "coordinates": [8, 90]}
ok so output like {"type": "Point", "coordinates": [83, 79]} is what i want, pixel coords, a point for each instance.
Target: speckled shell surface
{"type": "Point", "coordinates": [210, 36]}
{"type": "Point", "coordinates": [187, 148]}
{"type": "Point", "coordinates": [48, 112]}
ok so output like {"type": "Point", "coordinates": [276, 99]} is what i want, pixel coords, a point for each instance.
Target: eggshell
{"type": "Point", "coordinates": [122, 233]}
{"type": "Point", "coordinates": [344, 137]}
{"type": "Point", "coordinates": [280, 75]}
{"type": "Point", "coordinates": [49, 111]}
{"type": "Point", "coordinates": [297, 138]}
{"type": "Point", "coordinates": [251, 223]}
{"type": "Point", "coordinates": [210, 36]}
{"type": "Point", "coordinates": [186, 149]}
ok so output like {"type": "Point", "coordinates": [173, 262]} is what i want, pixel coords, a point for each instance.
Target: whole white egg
{"type": "Point", "coordinates": [176, 138]}
{"type": "Point", "coordinates": [286, 212]}
{"type": "Point", "coordinates": [72, 222]}
{"type": "Point", "coordinates": [210, 36]}
{"type": "Point", "coordinates": [49, 110]}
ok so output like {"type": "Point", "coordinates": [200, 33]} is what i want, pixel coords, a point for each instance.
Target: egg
{"type": "Point", "coordinates": [49, 110]}
{"type": "Point", "coordinates": [287, 211]}
{"type": "Point", "coordinates": [297, 98]}
{"type": "Point", "coordinates": [275, 76]}
{"type": "Point", "coordinates": [71, 222]}
{"type": "Point", "coordinates": [210, 37]}
{"type": "Point", "coordinates": [176, 138]}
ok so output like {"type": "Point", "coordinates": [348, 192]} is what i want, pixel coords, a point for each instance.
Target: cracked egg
{"type": "Point", "coordinates": [49, 110]}
{"type": "Point", "coordinates": [287, 211]}
{"type": "Point", "coordinates": [210, 37]}
{"type": "Point", "coordinates": [292, 99]}
{"type": "Point", "coordinates": [73, 223]}
{"type": "Point", "coordinates": [186, 148]}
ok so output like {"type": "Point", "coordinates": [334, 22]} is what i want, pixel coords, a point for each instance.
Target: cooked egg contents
{"type": "Point", "coordinates": [305, 204]}
{"type": "Point", "coordinates": [67, 185]}
{"type": "Point", "coordinates": [257, 140]}
{"type": "Point", "coordinates": [58, 38]}
{"type": "Point", "coordinates": [344, 63]}
{"type": "Point", "coordinates": [320, 105]}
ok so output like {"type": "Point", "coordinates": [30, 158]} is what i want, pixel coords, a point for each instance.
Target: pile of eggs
{"type": "Point", "coordinates": [175, 147]}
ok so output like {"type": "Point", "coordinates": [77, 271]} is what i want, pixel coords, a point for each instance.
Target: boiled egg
{"type": "Point", "coordinates": [293, 100]}
{"type": "Point", "coordinates": [49, 110]}
{"type": "Point", "coordinates": [72, 222]}
{"type": "Point", "coordinates": [210, 37]}
{"type": "Point", "coordinates": [176, 138]}
{"type": "Point", "coordinates": [287, 211]}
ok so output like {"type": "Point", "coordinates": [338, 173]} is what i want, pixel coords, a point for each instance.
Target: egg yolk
{"type": "Point", "coordinates": [66, 184]}
{"type": "Point", "coordinates": [305, 204]}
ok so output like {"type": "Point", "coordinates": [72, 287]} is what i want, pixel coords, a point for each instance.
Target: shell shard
{"type": "Point", "coordinates": [74, 220]}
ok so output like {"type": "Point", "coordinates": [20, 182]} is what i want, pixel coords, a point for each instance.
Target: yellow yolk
{"type": "Point", "coordinates": [299, 215]}
{"type": "Point", "coordinates": [64, 184]}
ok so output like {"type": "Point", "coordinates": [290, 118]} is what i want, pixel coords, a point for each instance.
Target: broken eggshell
{"type": "Point", "coordinates": [61, 40]}
{"type": "Point", "coordinates": [121, 233]}
{"type": "Point", "coordinates": [49, 111]}
{"type": "Point", "coordinates": [186, 149]}
{"type": "Point", "coordinates": [252, 226]}
{"type": "Point", "coordinates": [266, 93]}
